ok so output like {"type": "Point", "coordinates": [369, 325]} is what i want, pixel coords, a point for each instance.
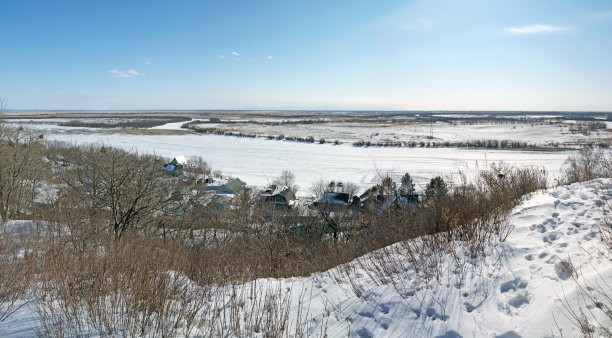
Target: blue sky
{"type": "Point", "coordinates": [346, 55]}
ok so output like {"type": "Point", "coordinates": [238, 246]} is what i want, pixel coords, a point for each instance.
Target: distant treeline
{"type": "Point", "coordinates": [129, 123]}
{"type": "Point", "coordinates": [587, 122]}
{"type": "Point", "coordinates": [478, 144]}
{"type": "Point", "coordinates": [264, 123]}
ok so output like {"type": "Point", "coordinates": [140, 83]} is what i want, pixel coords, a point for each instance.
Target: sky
{"type": "Point", "coordinates": [311, 55]}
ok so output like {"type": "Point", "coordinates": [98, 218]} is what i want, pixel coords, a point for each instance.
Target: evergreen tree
{"type": "Point", "coordinates": [407, 185]}
{"type": "Point", "coordinates": [436, 188]}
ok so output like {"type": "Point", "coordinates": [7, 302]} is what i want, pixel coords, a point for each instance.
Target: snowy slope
{"type": "Point", "coordinates": [517, 295]}
{"type": "Point", "coordinates": [524, 292]}
{"type": "Point", "coordinates": [517, 290]}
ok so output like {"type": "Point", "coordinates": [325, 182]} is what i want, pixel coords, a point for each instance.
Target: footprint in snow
{"type": "Point", "coordinates": [552, 260]}
{"type": "Point", "coordinates": [450, 334]}
{"type": "Point", "coordinates": [541, 228]}
{"type": "Point", "coordinates": [509, 334]}
{"type": "Point", "coordinates": [364, 333]}
{"type": "Point", "coordinates": [384, 308]}
{"type": "Point", "coordinates": [519, 299]}
{"type": "Point", "coordinates": [367, 314]}
{"type": "Point", "coordinates": [564, 269]}
{"type": "Point", "coordinates": [513, 285]}
{"type": "Point", "coordinates": [590, 236]}
{"type": "Point", "coordinates": [551, 237]}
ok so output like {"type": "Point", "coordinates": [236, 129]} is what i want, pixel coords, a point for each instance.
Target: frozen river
{"type": "Point", "coordinates": [257, 161]}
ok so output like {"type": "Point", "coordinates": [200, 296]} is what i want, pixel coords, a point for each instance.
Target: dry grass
{"type": "Point", "coordinates": [460, 236]}
{"type": "Point", "coordinates": [16, 272]}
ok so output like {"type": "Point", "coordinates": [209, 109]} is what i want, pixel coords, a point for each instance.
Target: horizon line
{"type": "Point", "coordinates": [313, 110]}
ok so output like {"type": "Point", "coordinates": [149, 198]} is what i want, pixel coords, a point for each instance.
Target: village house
{"type": "Point", "coordinates": [175, 167]}
{"type": "Point", "coordinates": [277, 195]}
{"type": "Point", "coordinates": [383, 202]}
{"type": "Point", "coordinates": [232, 187]}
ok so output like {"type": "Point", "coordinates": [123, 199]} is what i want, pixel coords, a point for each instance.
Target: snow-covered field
{"type": "Point", "coordinates": [258, 160]}
{"type": "Point", "coordinates": [518, 290]}
{"type": "Point", "coordinates": [534, 133]}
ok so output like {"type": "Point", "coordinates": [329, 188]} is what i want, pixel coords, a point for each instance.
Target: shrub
{"type": "Point", "coordinates": [589, 163]}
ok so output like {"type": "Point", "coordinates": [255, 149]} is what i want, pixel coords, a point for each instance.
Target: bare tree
{"type": "Point", "coordinates": [21, 168]}
{"type": "Point", "coordinates": [123, 189]}
{"type": "Point", "coordinates": [197, 165]}
{"type": "Point", "coordinates": [339, 217]}
{"type": "Point", "coordinates": [286, 178]}
{"type": "Point", "coordinates": [2, 108]}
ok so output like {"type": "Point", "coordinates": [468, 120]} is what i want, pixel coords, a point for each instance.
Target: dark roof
{"type": "Point", "coordinates": [278, 191]}
{"type": "Point", "coordinates": [334, 198]}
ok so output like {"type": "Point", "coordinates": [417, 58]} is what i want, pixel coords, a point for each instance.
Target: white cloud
{"type": "Point", "coordinates": [235, 56]}
{"type": "Point", "coordinates": [536, 29]}
{"type": "Point", "coordinates": [221, 56]}
{"type": "Point", "coordinates": [125, 75]}
{"type": "Point", "coordinates": [269, 57]}
{"type": "Point", "coordinates": [148, 62]}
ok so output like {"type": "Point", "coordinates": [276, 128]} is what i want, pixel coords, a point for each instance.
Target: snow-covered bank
{"type": "Point", "coordinates": [523, 293]}
{"type": "Point", "coordinates": [521, 288]}
{"type": "Point", "coordinates": [520, 291]}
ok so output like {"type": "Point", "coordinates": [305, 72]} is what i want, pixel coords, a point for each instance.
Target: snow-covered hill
{"type": "Point", "coordinates": [528, 292]}
{"type": "Point", "coordinates": [551, 266]}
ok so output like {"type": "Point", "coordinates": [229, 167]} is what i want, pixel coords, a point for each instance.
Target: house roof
{"type": "Point", "coordinates": [334, 198]}
{"type": "Point", "coordinates": [287, 193]}
{"type": "Point", "coordinates": [180, 159]}
{"type": "Point", "coordinates": [282, 190]}
{"type": "Point", "coordinates": [234, 185]}
{"type": "Point", "coordinates": [169, 167]}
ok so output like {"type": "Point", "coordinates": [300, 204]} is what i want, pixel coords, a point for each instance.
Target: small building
{"type": "Point", "coordinates": [232, 187]}
{"type": "Point", "coordinates": [383, 202]}
{"type": "Point", "coordinates": [175, 167]}
{"type": "Point", "coordinates": [219, 203]}
{"type": "Point", "coordinates": [333, 199]}
{"type": "Point", "coordinates": [277, 195]}
{"type": "Point", "coordinates": [205, 181]}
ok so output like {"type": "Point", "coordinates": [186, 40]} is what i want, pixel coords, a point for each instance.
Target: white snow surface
{"type": "Point", "coordinates": [258, 161]}
{"type": "Point", "coordinates": [521, 294]}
